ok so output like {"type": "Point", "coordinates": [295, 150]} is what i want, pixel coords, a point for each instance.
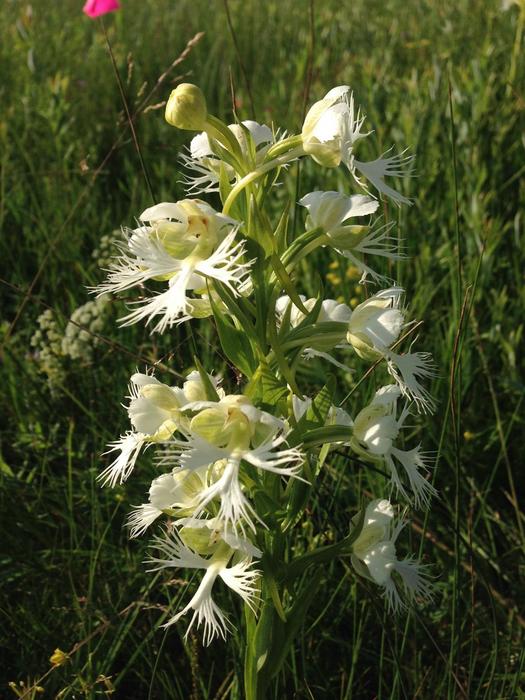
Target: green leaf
{"type": "Point", "coordinates": [259, 229]}
{"type": "Point", "coordinates": [281, 230]}
{"type": "Point", "coordinates": [287, 283]}
{"type": "Point", "coordinates": [298, 496]}
{"type": "Point", "coordinates": [301, 243]}
{"type": "Point", "coordinates": [308, 321]}
{"type": "Point", "coordinates": [274, 592]}
{"type": "Point", "coordinates": [239, 308]}
{"type": "Point", "coordinates": [324, 555]}
{"type": "Point", "coordinates": [356, 526]}
{"type": "Point", "coordinates": [268, 634]}
{"type": "Point", "coordinates": [280, 357]}
{"type": "Point", "coordinates": [211, 393]}
{"type": "Point", "coordinates": [266, 389]}
{"type": "Point", "coordinates": [4, 467]}
{"type": "Point", "coordinates": [223, 154]}
{"type": "Point", "coordinates": [250, 143]}
{"type": "Point", "coordinates": [295, 619]}
{"type": "Point", "coordinates": [224, 183]}
{"type": "Point", "coordinates": [326, 334]}
{"type": "Point", "coordinates": [235, 343]}
{"type": "Point", "coordinates": [316, 415]}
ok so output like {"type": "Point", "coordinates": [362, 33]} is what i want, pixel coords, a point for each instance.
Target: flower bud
{"type": "Point", "coordinates": [58, 657]}
{"type": "Point", "coordinates": [186, 108]}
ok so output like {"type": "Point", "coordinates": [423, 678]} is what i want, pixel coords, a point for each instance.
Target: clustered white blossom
{"type": "Point", "coordinates": [102, 255]}
{"type": "Point", "coordinates": [215, 451]}
{"type": "Point", "coordinates": [46, 342]}
{"type": "Point", "coordinates": [82, 334]}
{"type": "Point", "coordinates": [53, 347]}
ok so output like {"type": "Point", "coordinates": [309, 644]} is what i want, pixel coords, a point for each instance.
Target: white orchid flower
{"type": "Point", "coordinates": [174, 494]}
{"type": "Point", "coordinates": [207, 165]}
{"type": "Point", "coordinates": [331, 129]}
{"type": "Point", "coordinates": [239, 576]}
{"type": "Point", "coordinates": [375, 431]}
{"type": "Point", "coordinates": [372, 328]}
{"type": "Point", "coordinates": [184, 244]}
{"type": "Point", "coordinates": [331, 211]}
{"type": "Point", "coordinates": [222, 436]}
{"type": "Point", "coordinates": [155, 413]}
{"type": "Point", "coordinates": [374, 557]}
{"type": "Point", "coordinates": [375, 325]}
{"type": "Point", "coordinates": [332, 126]}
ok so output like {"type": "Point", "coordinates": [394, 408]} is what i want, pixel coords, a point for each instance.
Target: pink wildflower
{"type": "Point", "coordinates": [96, 8]}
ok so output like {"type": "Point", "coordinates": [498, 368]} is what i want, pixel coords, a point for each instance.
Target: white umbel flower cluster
{"type": "Point", "coordinates": [82, 334]}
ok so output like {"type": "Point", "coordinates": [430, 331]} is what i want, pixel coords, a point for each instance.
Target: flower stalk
{"type": "Point", "coordinates": [237, 464]}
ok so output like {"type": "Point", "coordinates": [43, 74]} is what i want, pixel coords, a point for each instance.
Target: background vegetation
{"type": "Point", "coordinates": [445, 79]}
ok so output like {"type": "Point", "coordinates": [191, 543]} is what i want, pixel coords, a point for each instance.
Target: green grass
{"type": "Point", "coordinates": [69, 576]}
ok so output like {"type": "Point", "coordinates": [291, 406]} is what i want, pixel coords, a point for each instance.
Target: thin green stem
{"type": "Point", "coordinates": [283, 146]}
{"type": "Point", "coordinates": [516, 49]}
{"type": "Point", "coordinates": [455, 404]}
{"type": "Point", "coordinates": [256, 174]}
{"type": "Point", "coordinates": [239, 58]}
{"type": "Point", "coordinates": [128, 114]}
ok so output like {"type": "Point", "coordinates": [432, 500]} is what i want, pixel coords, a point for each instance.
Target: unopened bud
{"type": "Point", "coordinates": [186, 108]}
{"type": "Point", "coordinates": [58, 657]}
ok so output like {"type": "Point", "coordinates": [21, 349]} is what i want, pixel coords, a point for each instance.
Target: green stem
{"type": "Point", "coordinates": [282, 146]}
{"type": "Point", "coordinates": [318, 556]}
{"type": "Point", "coordinates": [256, 174]}
{"type": "Point", "coordinates": [516, 49]}
{"type": "Point", "coordinates": [303, 245]}
{"type": "Point", "coordinates": [328, 339]}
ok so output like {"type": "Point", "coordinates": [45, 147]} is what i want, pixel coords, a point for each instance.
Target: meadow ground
{"type": "Point", "coordinates": [446, 80]}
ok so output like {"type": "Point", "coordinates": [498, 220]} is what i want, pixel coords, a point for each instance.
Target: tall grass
{"type": "Point", "coordinates": [432, 77]}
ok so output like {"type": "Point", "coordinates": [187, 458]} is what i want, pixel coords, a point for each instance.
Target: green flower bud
{"type": "Point", "coordinates": [186, 108]}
